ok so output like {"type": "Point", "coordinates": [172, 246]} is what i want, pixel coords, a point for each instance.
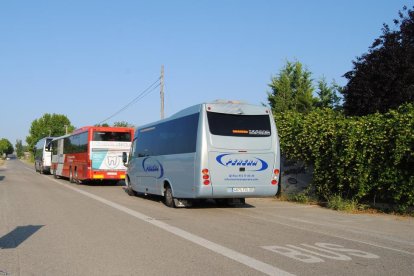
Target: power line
{"type": "Point", "coordinates": [144, 93]}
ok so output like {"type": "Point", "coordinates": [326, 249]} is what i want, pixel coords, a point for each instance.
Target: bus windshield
{"type": "Point", "coordinates": [112, 136]}
{"type": "Point", "coordinates": [48, 144]}
{"type": "Point", "coordinates": [239, 125]}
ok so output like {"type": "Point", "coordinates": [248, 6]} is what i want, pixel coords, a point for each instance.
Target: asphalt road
{"type": "Point", "coordinates": [51, 227]}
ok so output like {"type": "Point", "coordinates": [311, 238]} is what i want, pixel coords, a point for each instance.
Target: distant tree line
{"type": "Point", "coordinates": [117, 124]}
{"type": "Point", "coordinates": [5, 147]}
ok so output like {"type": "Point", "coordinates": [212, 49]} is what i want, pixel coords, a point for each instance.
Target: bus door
{"type": "Point", "coordinates": [150, 170]}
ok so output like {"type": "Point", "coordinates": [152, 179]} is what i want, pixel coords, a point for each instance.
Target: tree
{"type": "Point", "coordinates": [383, 78]}
{"type": "Point", "coordinates": [48, 125]}
{"type": "Point", "coordinates": [291, 89]}
{"type": "Point", "coordinates": [5, 147]}
{"type": "Point", "coordinates": [19, 148]}
{"type": "Point", "coordinates": [327, 95]}
{"type": "Point", "coordinates": [122, 124]}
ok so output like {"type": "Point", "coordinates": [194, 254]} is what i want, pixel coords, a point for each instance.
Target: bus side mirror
{"type": "Point", "coordinates": [125, 158]}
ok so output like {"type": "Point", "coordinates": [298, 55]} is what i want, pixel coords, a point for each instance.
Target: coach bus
{"type": "Point", "coordinates": [224, 150]}
{"type": "Point", "coordinates": [91, 153]}
{"type": "Point", "coordinates": [42, 155]}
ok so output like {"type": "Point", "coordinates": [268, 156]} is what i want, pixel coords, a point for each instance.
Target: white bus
{"type": "Point", "coordinates": [226, 151]}
{"type": "Point", "coordinates": [42, 155]}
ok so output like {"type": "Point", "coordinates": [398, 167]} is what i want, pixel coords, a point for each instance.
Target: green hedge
{"type": "Point", "coordinates": [367, 158]}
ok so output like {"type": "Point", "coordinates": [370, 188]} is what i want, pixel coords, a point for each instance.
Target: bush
{"type": "Point", "coordinates": [367, 158]}
{"type": "Point", "coordinates": [336, 202]}
{"type": "Point", "coordinates": [301, 198]}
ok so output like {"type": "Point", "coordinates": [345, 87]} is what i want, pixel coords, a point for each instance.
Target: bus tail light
{"type": "Point", "coordinates": [275, 178]}
{"type": "Point", "coordinates": [206, 176]}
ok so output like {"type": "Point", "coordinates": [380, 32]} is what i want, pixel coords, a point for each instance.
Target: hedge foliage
{"type": "Point", "coordinates": [368, 159]}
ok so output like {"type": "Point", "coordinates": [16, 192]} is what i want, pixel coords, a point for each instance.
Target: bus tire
{"type": "Point", "coordinates": [129, 189]}
{"type": "Point", "coordinates": [168, 197]}
{"type": "Point", "coordinates": [131, 192]}
{"type": "Point", "coordinates": [71, 180]}
{"type": "Point", "coordinates": [75, 177]}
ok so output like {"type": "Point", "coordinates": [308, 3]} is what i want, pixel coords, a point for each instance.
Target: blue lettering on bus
{"type": "Point", "coordinates": [233, 160]}
{"type": "Point", "coordinates": [153, 167]}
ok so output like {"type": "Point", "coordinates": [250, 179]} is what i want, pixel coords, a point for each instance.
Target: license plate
{"type": "Point", "coordinates": [243, 190]}
{"type": "Point", "coordinates": [111, 173]}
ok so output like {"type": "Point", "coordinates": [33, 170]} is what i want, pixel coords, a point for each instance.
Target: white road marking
{"type": "Point", "coordinates": [217, 248]}
{"type": "Point", "coordinates": [327, 234]}
{"type": "Point", "coordinates": [335, 252]}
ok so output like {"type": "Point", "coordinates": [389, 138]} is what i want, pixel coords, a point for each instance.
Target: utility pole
{"type": "Point", "coordinates": [162, 91]}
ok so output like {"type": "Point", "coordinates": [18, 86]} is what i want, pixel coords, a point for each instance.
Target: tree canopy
{"type": "Point", "coordinates": [383, 78]}
{"type": "Point", "coordinates": [116, 124]}
{"type": "Point", "coordinates": [5, 147]}
{"type": "Point", "coordinates": [102, 125]}
{"type": "Point", "coordinates": [291, 89]}
{"type": "Point", "coordinates": [327, 94]}
{"type": "Point", "coordinates": [123, 124]}
{"type": "Point", "coordinates": [19, 148]}
{"type": "Point", "coordinates": [48, 125]}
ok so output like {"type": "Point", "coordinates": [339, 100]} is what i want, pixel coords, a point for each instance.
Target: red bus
{"type": "Point", "coordinates": [91, 153]}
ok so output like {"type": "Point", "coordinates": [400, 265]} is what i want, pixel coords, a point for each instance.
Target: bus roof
{"type": "Point", "coordinates": [101, 128]}
{"type": "Point", "coordinates": [221, 106]}
{"type": "Point", "coordinates": [98, 128]}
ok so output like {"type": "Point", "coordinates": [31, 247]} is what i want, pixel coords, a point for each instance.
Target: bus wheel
{"type": "Point", "coordinates": [75, 178]}
{"type": "Point", "coordinates": [129, 189]}
{"type": "Point", "coordinates": [168, 197]}
{"type": "Point", "coordinates": [55, 175]}
{"type": "Point", "coordinates": [71, 176]}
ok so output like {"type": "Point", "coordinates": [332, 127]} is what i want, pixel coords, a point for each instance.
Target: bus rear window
{"type": "Point", "coordinates": [239, 125]}
{"type": "Point", "coordinates": [112, 136]}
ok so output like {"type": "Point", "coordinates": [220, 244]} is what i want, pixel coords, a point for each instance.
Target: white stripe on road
{"type": "Point", "coordinates": [217, 248]}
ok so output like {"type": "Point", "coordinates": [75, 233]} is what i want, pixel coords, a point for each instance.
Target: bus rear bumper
{"type": "Point", "coordinates": [240, 192]}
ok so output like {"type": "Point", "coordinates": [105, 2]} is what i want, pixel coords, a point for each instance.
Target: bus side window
{"type": "Point", "coordinates": [133, 153]}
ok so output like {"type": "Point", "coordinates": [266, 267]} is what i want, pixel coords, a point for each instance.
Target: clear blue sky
{"type": "Point", "coordinates": [88, 59]}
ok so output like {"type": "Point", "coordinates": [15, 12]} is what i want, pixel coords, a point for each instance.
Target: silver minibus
{"type": "Point", "coordinates": [223, 150]}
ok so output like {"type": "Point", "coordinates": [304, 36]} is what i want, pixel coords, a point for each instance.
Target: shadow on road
{"type": "Point", "coordinates": [101, 183]}
{"type": "Point", "coordinates": [2, 177]}
{"type": "Point", "coordinates": [197, 204]}
{"type": "Point", "coordinates": [18, 236]}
